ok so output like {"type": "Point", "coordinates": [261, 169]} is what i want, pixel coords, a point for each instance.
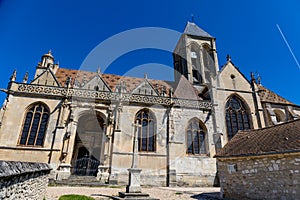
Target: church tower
{"type": "Point", "coordinates": [195, 56]}
{"type": "Point", "coordinates": [47, 62]}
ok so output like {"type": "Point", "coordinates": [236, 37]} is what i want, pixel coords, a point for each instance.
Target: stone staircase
{"type": "Point", "coordinates": [75, 180]}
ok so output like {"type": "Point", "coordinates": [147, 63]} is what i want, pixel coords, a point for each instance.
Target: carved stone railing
{"type": "Point", "coordinates": [21, 88]}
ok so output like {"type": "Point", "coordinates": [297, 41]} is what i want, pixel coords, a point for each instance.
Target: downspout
{"type": "Point", "coordinates": [168, 148]}
{"type": "Point", "coordinates": [54, 134]}
{"type": "Point", "coordinates": [168, 138]}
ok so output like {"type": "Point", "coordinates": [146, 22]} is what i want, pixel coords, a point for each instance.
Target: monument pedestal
{"type": "Point", "coordinates": [133, 189]}
{"type": "Point", "coordinates": [134, 185]}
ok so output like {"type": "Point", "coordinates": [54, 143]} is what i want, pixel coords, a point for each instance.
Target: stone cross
{"type": "Point", "coordinates": [135, 145]}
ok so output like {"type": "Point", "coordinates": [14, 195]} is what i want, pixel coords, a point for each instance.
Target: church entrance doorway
{"type": "Point", "coordinates": [89, 145]}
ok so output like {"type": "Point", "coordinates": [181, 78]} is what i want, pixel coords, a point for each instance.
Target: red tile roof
{"type": "Point", "coordinates": [282, 138]}
{"type": "Point", "coordinates": [111, 79]}
{"type": "Point", "coordinates": [267, 95]}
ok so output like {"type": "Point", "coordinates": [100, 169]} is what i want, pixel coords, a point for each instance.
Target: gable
{"type": "Point", "coordinates": [231, 78]}
{"type": "Point", "coordinates": [145, 88]}
{"type": "Point", "coordinates": [97, 83]}
{"type": "Point", "coordinates": [46, 78]}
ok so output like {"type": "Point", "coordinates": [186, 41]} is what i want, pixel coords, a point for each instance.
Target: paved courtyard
{"type": "Point", "coordinates": [163, 193]}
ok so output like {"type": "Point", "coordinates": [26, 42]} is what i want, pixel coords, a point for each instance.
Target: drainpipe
{"type": "Point", "coordinates": [54, 135]}
{"type": "Point", "coordinates": [168, 137]}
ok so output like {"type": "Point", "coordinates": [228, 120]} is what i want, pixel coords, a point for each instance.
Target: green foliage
{"type": "Point", "coordinates": [75, 197]}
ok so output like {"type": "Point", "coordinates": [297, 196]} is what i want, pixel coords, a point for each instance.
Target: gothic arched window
{"type": "Point", "coordinates": [146, 133]}
{"type": "Point", "coordinates": [237, 116]}
{"type": "Point", "coordinates": [196, 137]}
{"type": "Point", "coordinates": [196, 67]}
{"type": "Point", "coordinates": [208, 60]}
{"type": "Point", "coordinates": [35, 125]}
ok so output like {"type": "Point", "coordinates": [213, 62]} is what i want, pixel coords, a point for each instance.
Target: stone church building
{"type": "Point", "coordinates": [83, 123]}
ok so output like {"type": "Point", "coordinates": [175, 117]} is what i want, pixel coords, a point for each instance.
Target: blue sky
{"type": "Point", "coordinates": [71, 29]}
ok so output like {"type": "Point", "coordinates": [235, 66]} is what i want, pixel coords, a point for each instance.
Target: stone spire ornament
{"type": "Point", "coordinates": [99, 70]}
{"type": "Point", "coordinates": [25, 79]}
{"type": "Point", "coordinates": [228, 57]}
{"type": "Point", "coordinates": [13, 76]}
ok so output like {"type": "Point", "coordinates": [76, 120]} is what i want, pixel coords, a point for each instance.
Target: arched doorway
{"type": "Point", "coordinates": [89, 145]}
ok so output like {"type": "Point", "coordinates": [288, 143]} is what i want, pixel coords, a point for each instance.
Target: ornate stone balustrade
{"type": "Point", "coordinates": [108, 96]}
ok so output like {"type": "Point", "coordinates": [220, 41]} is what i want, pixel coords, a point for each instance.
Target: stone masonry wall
{"type": "Point", "coordinates": [23, 180]}
{"type": "Point", "coordinates": [264, 177]}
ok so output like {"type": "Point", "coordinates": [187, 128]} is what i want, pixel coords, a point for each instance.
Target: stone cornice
{"type": "Point", "coordinates": [63, 92]}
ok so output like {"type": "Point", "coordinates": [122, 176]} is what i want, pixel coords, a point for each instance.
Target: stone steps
{"type": "Point", "coordinates": [74, 180]}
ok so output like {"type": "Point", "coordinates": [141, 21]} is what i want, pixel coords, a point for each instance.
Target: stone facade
{"type": "Point", "coordinates": [261, 177]}
{"type": "Point", "coordinates": [84, 121]}
{"type": "Point", "coordinates": [21, 180]}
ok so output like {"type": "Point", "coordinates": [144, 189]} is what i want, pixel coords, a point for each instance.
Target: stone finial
{"type": "Point", "coordinates": [258, 79]}
{"type": "Point", "coordinates": [13, 76]}
{"type": "Point", "coordinates": [228, 57]}
{"type": "Point", "coordinates": [68, 81]}
{"type": "Point", "coordinates": [170, 92]}
{"type": "Point", "coordinates": [145, 76]}
{"type": "Point", "coordinates": [99, 70]}
{"type": "Point", "coordinates": [252, 77]}
{"type": "Point", "coordinates": [25, 79]}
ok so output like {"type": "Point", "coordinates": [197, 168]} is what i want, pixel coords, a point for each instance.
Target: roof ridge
{"type": "Point", "coordinates": [274, 93]}
{"type": "Point", "coordinates": [267, 127]}
{"type": "Point", "coordinates": [149, 79]}
{"type": "Point", "coordinates": [192, 28]}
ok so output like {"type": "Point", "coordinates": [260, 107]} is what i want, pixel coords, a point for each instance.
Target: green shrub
{"type": "Point", "coordinates": [75, 197]}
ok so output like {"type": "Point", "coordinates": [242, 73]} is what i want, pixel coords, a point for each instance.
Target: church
{"type": "Point", "coordinates": [83, 123]}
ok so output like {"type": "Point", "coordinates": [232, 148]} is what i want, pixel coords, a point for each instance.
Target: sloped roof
{"type": "Point", "coordinates": [185, 90]}
{"type": "Point", "coordinates": [192, 29]}
{"type": "Point", "coordinates": [282, 138]}
{"type": "Point", "coordinates": [267, 95]}
{"type": "Point", "coordinates": [111, 79]}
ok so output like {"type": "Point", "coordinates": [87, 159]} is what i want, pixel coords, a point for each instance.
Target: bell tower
{"type": "Point", "coordinates": [47, 62]}
{"type": "Point", "coordinates": [195, 56]}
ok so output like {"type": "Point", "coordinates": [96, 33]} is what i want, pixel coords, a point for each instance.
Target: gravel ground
{"type": "Point", "coordinates": [163, 193]}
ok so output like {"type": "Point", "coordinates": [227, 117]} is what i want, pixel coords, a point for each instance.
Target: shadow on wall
{"type": "Point", "coordinates": [207, 196]}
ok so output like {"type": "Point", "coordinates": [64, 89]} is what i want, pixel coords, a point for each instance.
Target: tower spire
{"type": "Point", "coordinates": [192, 18]}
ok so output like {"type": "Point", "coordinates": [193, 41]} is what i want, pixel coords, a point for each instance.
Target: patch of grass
{"type": "Point", "coordinates": [75, 197]}
{"type": "Point", "coordinates": [178, 193]}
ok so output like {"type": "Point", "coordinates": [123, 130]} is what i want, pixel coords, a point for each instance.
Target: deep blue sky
{"type": "Point", "coordinates": [71, 29]}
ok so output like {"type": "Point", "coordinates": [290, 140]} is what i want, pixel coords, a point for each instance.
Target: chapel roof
{"type": "Point", "coordinates": [192, 29]}
{"type": "Point", "coordinates": [131, 83]}
{"type": "Point", "coordinates": [278, 139]}
{"type": "Point", "coordinates": [111, 79]}
{"type": "Point", "coordinates": [267, 95]}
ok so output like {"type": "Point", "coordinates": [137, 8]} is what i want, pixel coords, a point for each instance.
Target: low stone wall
{"type": "Point", "coordinates": [23, 180]}
{"type": "Point", "coordinates": [264, 177]}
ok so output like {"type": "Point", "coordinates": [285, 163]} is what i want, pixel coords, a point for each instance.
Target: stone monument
{"type": "Point", "coordinates": [133, 189]}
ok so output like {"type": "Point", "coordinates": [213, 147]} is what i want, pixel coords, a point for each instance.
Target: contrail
{"type": "Point", "coordinates": [287, 44]}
